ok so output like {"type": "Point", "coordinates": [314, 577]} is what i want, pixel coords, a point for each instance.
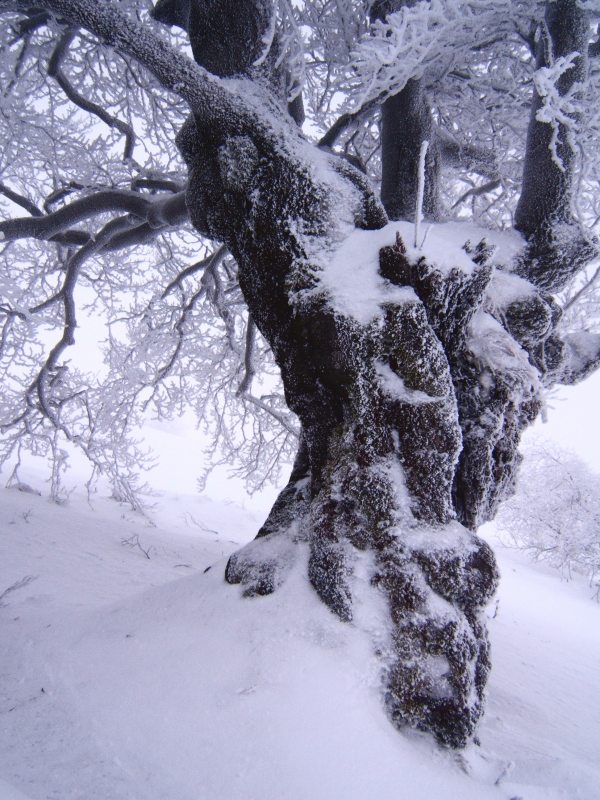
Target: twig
{"type": "Point", "coordinates": [20, 200]}
{"type": "Point", "coordinates": [55, 71]}
{"type": "Point", "coordinates": [24, 581]}
{"type": "Point", "coordinates": [133, 542]}
{"type": "Point", "coordinates": [477, 191]}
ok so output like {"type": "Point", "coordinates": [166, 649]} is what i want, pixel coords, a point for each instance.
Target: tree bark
{"type": "Point", "coordinates": [374, 477]}
{"type": "Point", "coordinates": [406, 122]}
{"type": "Point", "coordinates": [558, 246]}
{"type": "Point", "coordinates": [410, 423]}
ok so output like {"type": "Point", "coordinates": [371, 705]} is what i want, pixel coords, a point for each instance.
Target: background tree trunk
{"type": "Point", "coordinates": [558, 246]}
{"type": "Point", "coordinates": [406, 121]}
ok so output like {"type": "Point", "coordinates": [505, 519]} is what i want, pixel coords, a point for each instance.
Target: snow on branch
{"type": "Point", "coordinates": [208, 97]}
{"type": "Point", "coordinates": [55, 70]}
{"type": "Point", "coordinates": [429, 39]}
{"type": "Point", "coordinates": [558, 109]}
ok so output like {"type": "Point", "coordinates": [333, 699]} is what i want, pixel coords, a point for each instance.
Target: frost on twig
{"type": "Point", "coordinates": [558, 109]}
{"type": "Point", "coordinates": [555, 514]}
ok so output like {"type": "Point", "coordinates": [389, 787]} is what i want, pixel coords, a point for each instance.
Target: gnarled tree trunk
{"type": "Point", "coordinates": [380, 404]}
{"type": "Point", "coordinates": [410, 418]}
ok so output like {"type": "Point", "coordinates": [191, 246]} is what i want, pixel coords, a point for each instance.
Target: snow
{"type": "Point", "coordinates": [506, 288]}
{"type": "Point", "coordinates": [352, 280]}
{"type": "Point", "coordinates": [394, 386]}
{"type": "Point", "coordinates": [351, 276]}
{"type": "Point", "coordinates": [496, 349]}
{"type": "Point", "coordinates": [128, 677]}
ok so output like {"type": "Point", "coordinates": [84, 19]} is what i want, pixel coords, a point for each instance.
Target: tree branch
{"type": "Point", "coordinates": [59, 194]}
{"type": "Point", "coordinates": [47, 374]}
{"type": "Point", "coordinates": [586, 286]}
{"type": "Point", "coordinates": [582, 357]}
{"type": "Point", "coordinates": [347, 120]}
{"type": "Point", "coordinates": [20, 200]}
{"type": "Point", "coordinates": [45, 227]}
{"type": "Point", "coordinates": [209, 97]}
{"type": "Point", "coordinates": [455, 153]}
{"type": "Point", "coordinates": [55, 71]}
{"type": "Point", "coordinates": [477, 191]}
{"type": "Point", "coordinates": [249, 358]}
{"type": "Point", "coordinates": [259, 403]}
{"type": "Point", "coordinates": [186, 273]}
{"type": "Point", "coordinates": [33, 21]}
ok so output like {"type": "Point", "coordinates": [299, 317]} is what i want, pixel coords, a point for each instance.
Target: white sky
{"type": "Point", "coordinates": [572, 420]}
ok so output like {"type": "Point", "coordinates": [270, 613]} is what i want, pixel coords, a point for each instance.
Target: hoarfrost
{"type": "Point", "coordinates": [394, 386]}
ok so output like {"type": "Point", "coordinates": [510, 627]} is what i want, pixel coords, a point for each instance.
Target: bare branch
{"type": "Point", "coordinates": [186, 273]}
{"type": "Point", "coordinates": [157, 185]}
{"type": "Point", "coordinates": [60, 194]}
{"type": "Point", "coordinates": [249, 358]}
{"type": "Point", "coordinates": [55, 71]}
{"type": "Point", "coordinates": [31, 23]}
{"type": "Point", "coordinates": [45, 227]}
{"type": "Point", "coordinates": [20, 200]}
{"type": "Point", "coordinates": [348, 120]}
{"type": "Point", "coordinates": [580, 292]}
{"type": "Point", "coordinates": [66, 294]}
{"type": "Point", "coordinates": [260, 403]}
{"type": "Point", "coordinates": [466, 156]}
{"type": "Point", "coordinates": [477, 191]}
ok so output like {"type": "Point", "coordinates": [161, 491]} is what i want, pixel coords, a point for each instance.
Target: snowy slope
{"type": "Point", "coordinates": [128, 677]}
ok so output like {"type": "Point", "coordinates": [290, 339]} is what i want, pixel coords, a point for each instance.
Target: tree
{"type": "Point", "coordinates": [555, 513]}
{"type": "Point", "coordinates": [411, 356]}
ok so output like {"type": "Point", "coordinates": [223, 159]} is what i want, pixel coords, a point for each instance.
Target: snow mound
{"type": "Point", "coordinates": [121, 680]}
{"type": "Point", "coordinates": [351, 276]}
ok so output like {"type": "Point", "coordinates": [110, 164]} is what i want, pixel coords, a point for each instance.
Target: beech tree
{"type": "Point", "coordinates": [412, 353]}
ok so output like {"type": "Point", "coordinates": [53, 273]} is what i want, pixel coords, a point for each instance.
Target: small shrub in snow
{"type": "Point", "coordinates": [555, 514]}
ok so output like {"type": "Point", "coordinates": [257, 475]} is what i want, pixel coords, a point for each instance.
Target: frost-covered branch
{"type": "Point", "coordinates": [55, 70]}
{"type": "Point", "coordinates": [138, 205]}
{"type": "Point", "coordinates": [207, 96]}
{"type": "Point", "coordinates": [20, 200]}
{"type": "Point", "coordinates": [427, 39]}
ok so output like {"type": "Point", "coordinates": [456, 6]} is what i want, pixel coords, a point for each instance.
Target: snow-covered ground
{"type": "Point", "coordinates": [123, 676]}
